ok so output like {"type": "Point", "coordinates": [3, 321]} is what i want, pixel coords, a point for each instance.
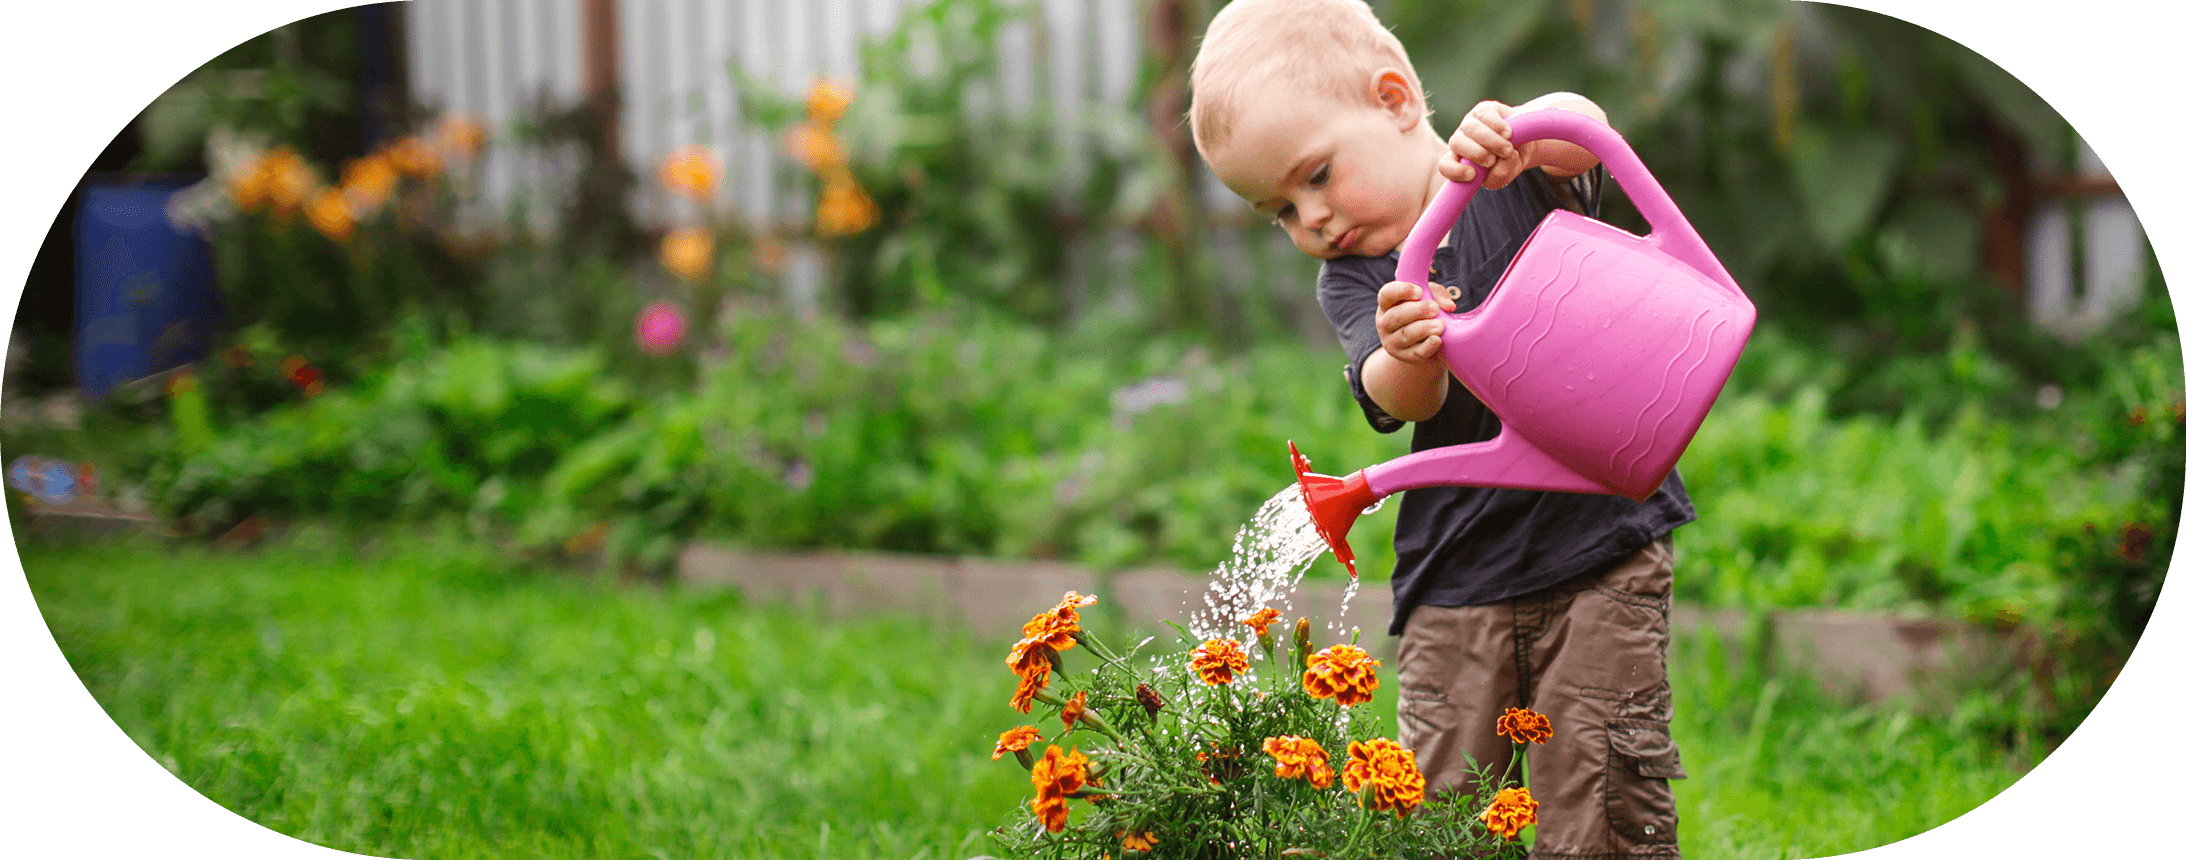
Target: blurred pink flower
{"type": "Point", "coordinates": [660, 328]}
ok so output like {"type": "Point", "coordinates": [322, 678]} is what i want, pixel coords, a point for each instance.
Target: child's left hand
{"type": "Point", "coordinates": [1484, 139]}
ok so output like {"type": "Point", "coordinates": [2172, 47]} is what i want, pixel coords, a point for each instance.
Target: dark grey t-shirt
{"type": "Point", "coordinates": [1465, 546]}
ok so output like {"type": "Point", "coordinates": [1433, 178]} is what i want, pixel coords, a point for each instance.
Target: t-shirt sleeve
{"type": "Point", "coordinates": [1347, 291]}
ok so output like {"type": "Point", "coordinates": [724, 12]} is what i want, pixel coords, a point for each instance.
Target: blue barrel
{"type": "Point", "coordinates": [145, 296]}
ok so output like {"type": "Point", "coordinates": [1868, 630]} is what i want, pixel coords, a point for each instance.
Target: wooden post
{"type": "Point", "coordinates": [602, 60]}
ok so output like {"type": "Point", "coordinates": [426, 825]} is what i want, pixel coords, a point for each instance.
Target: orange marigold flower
{"type": "Point", "coordinates": [1133, 842]}
{"type": "Point", "coordinates": [412, 156]}
{"type": "Point", "coordinates": [1523, 726]}
{"type": "Point", "coordinates": [1029, 655]}
{"type": "Point", "coordinates": [1073, 710]}
{"type": "Point", "coordinates": [1300, 758]}
{"type": "Point", "coordinates": [690, 172]}
{"type": "Point", "coordinates": [1053, 630]}
{"type": "Point", "coordinates": [688, 252]}
{"type": "Point", "coordinates": [1260, 620]}
{"type": "Point", "coordinates": [1512, 809]}
{"type": "Point", "coordinates": [1028, 685]}
{"type": "Point", "coordinates": [1015, 739]}
{"type": "Point", "coordinates": [367, 182]}
{"type": "Point", "coordinates": [816, 147]}
{"type": "Point", "coordinates": [1384, 776]}
{"type": "Point", "coordinates": [1219, 661]}
{"type": "Point", "coordinates": [1341, 672]}
{"type": "Point", "coordinates": [1057, 777]}
{"type": "Point", "coordinates": [845, 209]}
{"type": "Point", "coordinates": [827, 100]}
{"type": "Point", "coordinates": [330, 215]}
{"type": "Point", "coordinates": [288, 179]}
{"type": "Point", "coordinates": [1221, 762]}
{"type": "Point", "coordinates": [461, 135]}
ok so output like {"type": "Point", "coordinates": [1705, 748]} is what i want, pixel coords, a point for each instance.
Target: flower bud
{"type": "Point", "coordinates": [1301, 641]}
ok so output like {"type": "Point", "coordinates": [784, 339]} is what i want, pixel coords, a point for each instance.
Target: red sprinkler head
{"type": "Point", "coordinates": [1335, 504]}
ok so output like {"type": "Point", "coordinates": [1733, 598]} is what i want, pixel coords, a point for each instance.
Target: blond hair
{"type": "Point", "coordinates": [1323, 47]}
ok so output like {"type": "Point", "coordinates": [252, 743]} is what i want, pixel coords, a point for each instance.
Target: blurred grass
{"type": "Point", "coordinates": [422, 697]}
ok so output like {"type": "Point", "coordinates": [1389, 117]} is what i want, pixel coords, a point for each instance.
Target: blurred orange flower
{"type": "Point", "coordinates": [768, 252]}
{"type": "Point", "coordinates": [367, 182]}
{"type": "Point", "coordinates": [330, 214]}
{"type": "Point", "coordinates": [287, 179]}
{"type": "Point", "coordinates": [1511, 810]}
{"type": "Point", "coordinates": [690, 172]}
{"type": "Point", "coordinates": [845, 209]}
{"type": "Point", "coordinates": [816, 147]}
{"type": "Point", "coordinates": [688, 252]}
{"type": "Point", "coordinates": [1218, 661]}
{"type": "Point", "coordinates": [414, 157]}
{"type": "Point", "coordinates": [826, 101]}
{"type": "Point", "coordinates": [1260, 620]}
{"type": "Point", "coordinates": [1384, 776]}
{"type": "Point", "coordinates": [1300, 758]}
{"type": "Point", "coordinates": [1136, 842]}
{"type": "Point", "coordinates": [1523, 725]}
{"type": "Point", "coordinates": [460, 135]}
{"type": "Point", "coordinates": [1341, 672]}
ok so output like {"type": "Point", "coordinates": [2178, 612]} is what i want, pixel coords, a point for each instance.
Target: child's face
{"type": "Point", "coordinates": [1340, 178]}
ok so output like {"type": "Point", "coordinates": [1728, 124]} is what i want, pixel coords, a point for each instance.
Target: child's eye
{"type": "Point", "coordinates": [1285, 214]}
{"type": "Point", "coordinates": [1319, 177]}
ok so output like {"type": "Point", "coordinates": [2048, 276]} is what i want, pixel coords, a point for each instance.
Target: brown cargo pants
{"type": "Point", "coordinates": [1591, 656]}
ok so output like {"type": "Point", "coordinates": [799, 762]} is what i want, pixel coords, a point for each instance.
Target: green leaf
{"type": "Point", "coordinates": [1843, 176]}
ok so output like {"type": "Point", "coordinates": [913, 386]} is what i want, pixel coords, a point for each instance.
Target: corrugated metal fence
{"type": "Point", "coordinates": [671, 59]}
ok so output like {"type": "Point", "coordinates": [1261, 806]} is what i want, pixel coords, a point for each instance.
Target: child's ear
{"type": "Point", "coordinates": [1394, 93]}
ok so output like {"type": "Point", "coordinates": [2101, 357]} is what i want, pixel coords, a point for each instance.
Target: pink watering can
{"type": "Point", "coordinates": [1600, 351]}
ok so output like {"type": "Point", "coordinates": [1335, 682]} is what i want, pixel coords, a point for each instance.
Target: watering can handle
{"type": "Point", "coordinates": [1669, 231]}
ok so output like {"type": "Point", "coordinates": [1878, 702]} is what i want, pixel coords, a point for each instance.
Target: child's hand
{"type": "Point", "coordinates": [1405, 319]}
{"type": "Point", "coordinates": [1484, 138]}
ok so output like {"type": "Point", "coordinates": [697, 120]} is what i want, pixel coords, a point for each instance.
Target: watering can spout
{"type": "Point", "coordinates": [1335, 503]}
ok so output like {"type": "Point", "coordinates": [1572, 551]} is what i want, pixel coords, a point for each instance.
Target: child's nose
{"type": "Point", "coordinates": [1314, 214]}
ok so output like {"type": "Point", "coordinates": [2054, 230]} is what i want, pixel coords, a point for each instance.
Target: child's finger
{"type": "Point", "coordinates": [1395, 293]}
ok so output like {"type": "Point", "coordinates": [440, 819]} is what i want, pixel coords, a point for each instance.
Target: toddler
{"type": "Point", "coordinates": [1310, 111]}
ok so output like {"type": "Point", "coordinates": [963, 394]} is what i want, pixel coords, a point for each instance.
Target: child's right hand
{"type": "Point", "coordinates": [1405, 318]}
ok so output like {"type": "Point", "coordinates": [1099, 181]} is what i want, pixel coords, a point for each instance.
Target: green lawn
{"type": "Point", "coordinates": [424, 699]}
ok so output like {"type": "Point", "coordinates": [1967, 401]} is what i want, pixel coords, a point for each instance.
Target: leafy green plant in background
{"type": "Point", "coordinates": [977, 198]}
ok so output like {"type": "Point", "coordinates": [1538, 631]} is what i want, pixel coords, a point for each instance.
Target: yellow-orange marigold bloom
{"type": "Point", "coordinates": [827, 100]}
{"type": "Point", "coordinates": [1300, 758]}
{"type": "Point", "coordinates": [288, 180]}
{"type": "Point", "coordinates": [1015, 739]}
{"type": "Point", "coordinates": [1384, 776]}
{"type": "Point", "coordinates": [1341, 672]}
{"type": "Point", "coordinates": [845, 209]}
{"type": "Point", "coordinates": [412, 156]}
{"type": "Point", "coordinates": [1053, 630]}
{"type": "Point", "coordinates": [1523, 725]}
{"type": "Point", "coordinates": [816, 147]}
{"type": "Point", "coordinates": [1219, 661]}
{"type": "Point", "coordinates": [1259, 621]}
{"type": "Point", "coordinates": [1512, 809]}
{"type": "Point", "coordinates": [330, 215]}
{"type": "Point", "coordinates": [1028, 655]}
{"type": "Point", "coordinates": [690, 172]}
{"type": "Point", "coordinates": [1133, 842]}
{"type": "Point", "coordinates": [461, 135]}
{"type": "Point", "coordinates": [688, 252]}
{"type": "Point", "coordinates": [1073, 710]}
{"type": "Point", "coordinates": [1057, 777]}
{"type": "Point", "coordinates": [367, 182]}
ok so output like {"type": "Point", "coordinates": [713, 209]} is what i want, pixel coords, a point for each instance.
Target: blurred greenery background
{"type": "Point", "coordinates": [1902, 434]}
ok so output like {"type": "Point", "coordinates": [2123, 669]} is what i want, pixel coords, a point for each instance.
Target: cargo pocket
{"type": "Point", "coordinates": [1642, 761]}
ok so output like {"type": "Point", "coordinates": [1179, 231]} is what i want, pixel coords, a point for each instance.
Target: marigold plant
{"type": "Point", "coordinates": [1213, 750]}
